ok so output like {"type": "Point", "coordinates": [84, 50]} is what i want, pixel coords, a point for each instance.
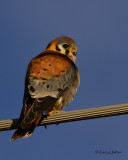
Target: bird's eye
{"type": "Point", "coordinates": [74, 53]}
{"type": "Point", "coordinates": [65, 45]}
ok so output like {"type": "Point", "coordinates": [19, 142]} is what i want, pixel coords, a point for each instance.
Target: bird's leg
{"type": "Point", "coordinates": [54, 110]}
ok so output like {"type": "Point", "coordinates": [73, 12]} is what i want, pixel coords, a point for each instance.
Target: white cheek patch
{"type": "Point", "coordinates": [61, 48]}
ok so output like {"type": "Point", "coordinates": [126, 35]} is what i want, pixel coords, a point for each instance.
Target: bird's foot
{"type": "Point", "coordinates": [54, 110]}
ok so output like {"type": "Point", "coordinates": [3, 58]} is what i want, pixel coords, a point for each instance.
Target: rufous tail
{"type": "Point", "coordinates": [19, 133]}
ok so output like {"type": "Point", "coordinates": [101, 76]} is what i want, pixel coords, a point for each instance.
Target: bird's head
{"type": "Point", "coordinates": [64, 45]}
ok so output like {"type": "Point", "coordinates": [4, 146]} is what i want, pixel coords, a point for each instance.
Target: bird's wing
{"type": "Point", "coordinates": [48, 76]}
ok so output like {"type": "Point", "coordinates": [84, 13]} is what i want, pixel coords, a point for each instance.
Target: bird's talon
{"type": "Point", "coordinates": [55, 111]}
{"type": "Point", "coordinates": [45, 126]}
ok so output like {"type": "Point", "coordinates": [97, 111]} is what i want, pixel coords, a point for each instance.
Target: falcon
{"type": "Point", "coordinates": [51, 82]}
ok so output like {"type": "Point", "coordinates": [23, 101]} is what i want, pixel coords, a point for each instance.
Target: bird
{"type": "Point", "coordinates": [51, 82]}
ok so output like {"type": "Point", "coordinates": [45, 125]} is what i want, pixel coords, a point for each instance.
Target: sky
{"type": "Point", "coordinates": [100, 30]}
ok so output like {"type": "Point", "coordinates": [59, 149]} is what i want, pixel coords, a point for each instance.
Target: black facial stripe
{"type": "Point", "coordinates": [57, 48]}
{"type": "Point", "coordinates": [48, 45]}
{"type": "Point", "coordinates": [67, 52]}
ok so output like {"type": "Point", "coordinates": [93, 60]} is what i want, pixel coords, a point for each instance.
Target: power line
{"type": "Point", "coordinates": [71, 116]}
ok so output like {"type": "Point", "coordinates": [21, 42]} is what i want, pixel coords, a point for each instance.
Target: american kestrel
{"type": "Point", "coordinates": [51, 82]}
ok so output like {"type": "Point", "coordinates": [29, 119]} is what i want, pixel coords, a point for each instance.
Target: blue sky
{"type": "Point", "coordinates": [100, 30]}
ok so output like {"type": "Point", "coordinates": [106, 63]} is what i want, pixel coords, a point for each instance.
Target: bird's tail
{"type": "Point", "coordinates": [26, 132]}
